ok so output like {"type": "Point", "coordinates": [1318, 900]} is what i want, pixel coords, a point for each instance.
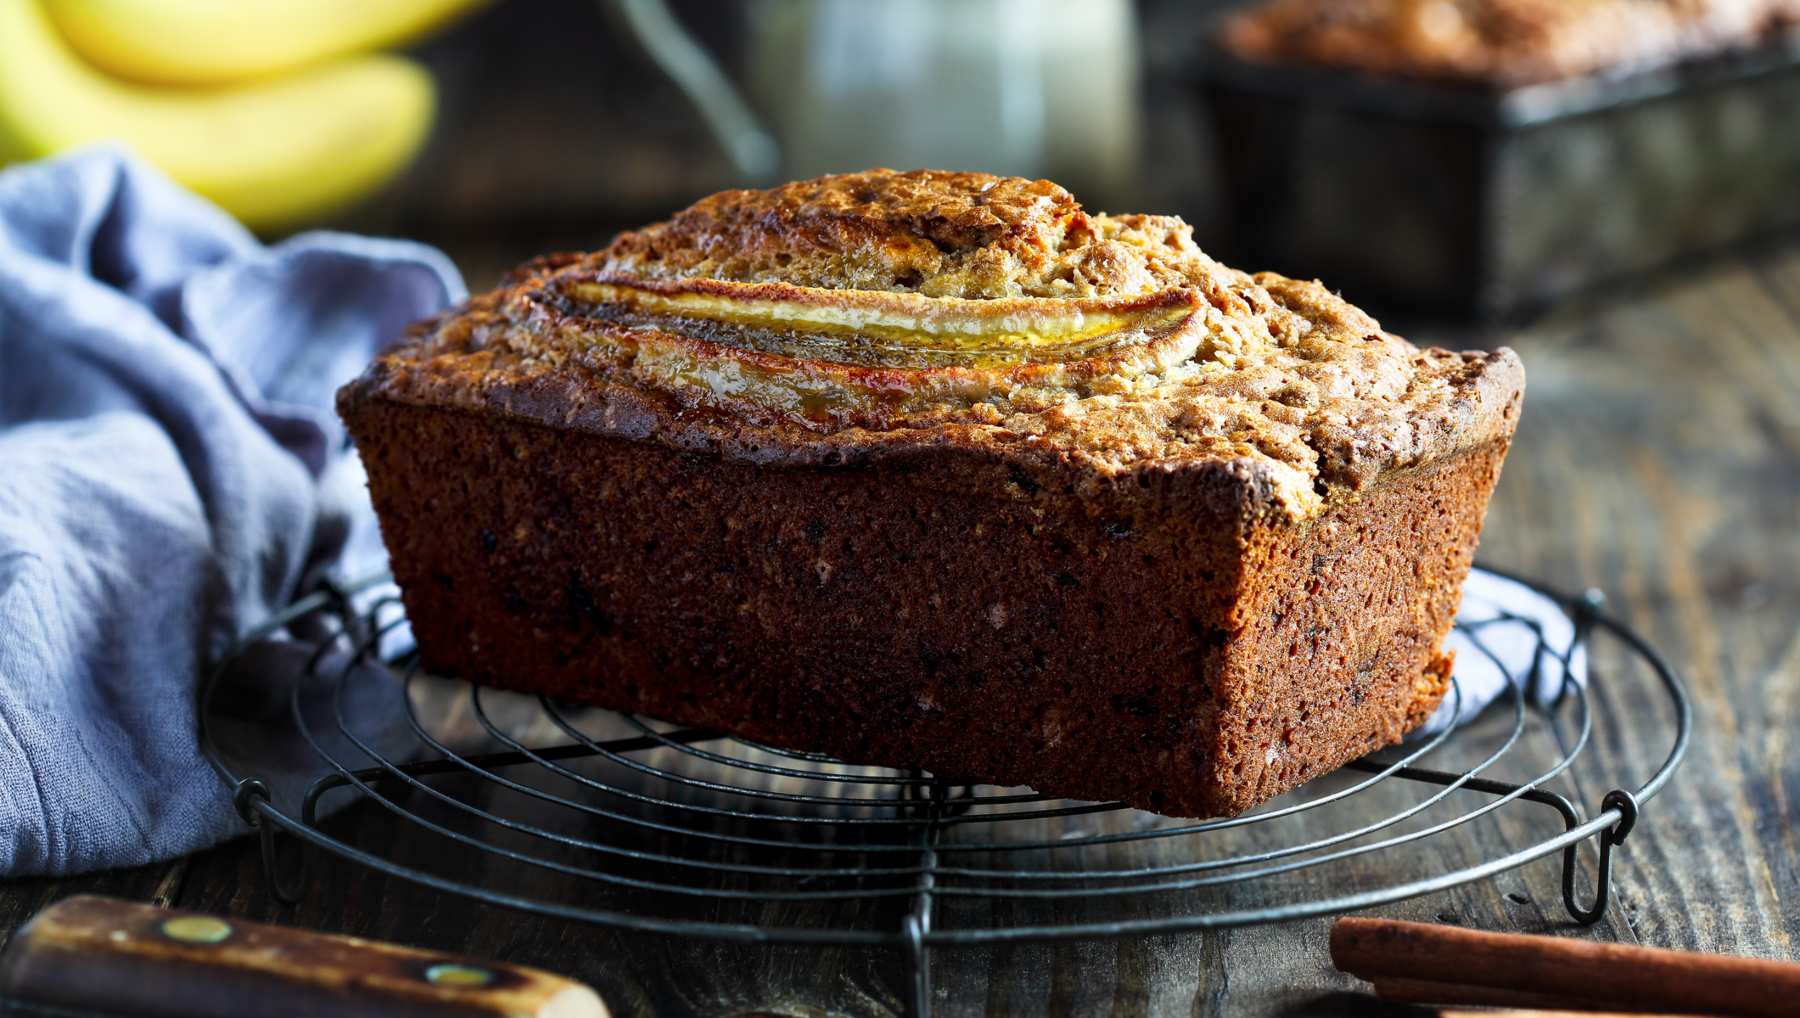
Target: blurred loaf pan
{"type": "Point", "coordinates": [1471, 200]}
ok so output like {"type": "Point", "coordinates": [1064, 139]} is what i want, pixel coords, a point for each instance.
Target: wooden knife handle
{"type": "Point", "coordinates": [122, 957]}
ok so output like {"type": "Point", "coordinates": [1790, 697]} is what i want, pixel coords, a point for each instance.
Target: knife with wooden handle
{"type": "Point", "coordinates": [124, 958]}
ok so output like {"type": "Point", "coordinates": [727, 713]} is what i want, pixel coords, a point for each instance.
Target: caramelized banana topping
{"type": "Point", "coordinates": [861, 312]}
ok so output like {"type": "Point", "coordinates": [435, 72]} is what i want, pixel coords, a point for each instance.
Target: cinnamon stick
{"type": "Point", "coordinates": [1566, 973]}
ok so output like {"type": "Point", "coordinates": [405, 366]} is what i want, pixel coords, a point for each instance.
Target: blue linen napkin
{"type": "Point", "coordinates": [1507, 635]}
{"type": "Point", "coordinates": [172, 473]}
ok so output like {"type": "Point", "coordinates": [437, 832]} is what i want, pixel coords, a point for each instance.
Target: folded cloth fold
{"type": "Point", "coordinates": [1508, 635]}
{"type": "Point", "coordinates": [173, 474]}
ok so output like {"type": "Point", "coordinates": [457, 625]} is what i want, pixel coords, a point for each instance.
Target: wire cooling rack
{"type": "Point", "coordinates": [688, 832]}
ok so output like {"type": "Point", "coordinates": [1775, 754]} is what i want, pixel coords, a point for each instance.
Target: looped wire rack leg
{"type": "Point", "coordinates": [688, 832]}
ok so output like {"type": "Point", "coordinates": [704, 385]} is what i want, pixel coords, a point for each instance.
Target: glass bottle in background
{"type": "Point", "coordinates": [1039, 88]}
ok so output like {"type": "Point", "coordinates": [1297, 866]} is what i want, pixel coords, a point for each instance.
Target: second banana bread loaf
{"type": "Point", "coordinates": [1500, 42]}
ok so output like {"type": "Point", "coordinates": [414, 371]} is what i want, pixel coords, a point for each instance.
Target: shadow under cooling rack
{"type": "Point", "coordinates": [597, 817]}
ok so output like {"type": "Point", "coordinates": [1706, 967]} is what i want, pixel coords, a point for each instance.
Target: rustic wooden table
{"type": "Point", "coordinates": [1659, 459]}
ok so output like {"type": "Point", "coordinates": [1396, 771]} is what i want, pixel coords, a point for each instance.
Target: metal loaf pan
{"type": "Point", "coordinates": [1450, 198]}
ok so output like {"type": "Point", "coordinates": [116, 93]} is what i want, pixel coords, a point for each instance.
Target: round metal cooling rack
{"type": "Point", "coordinates": [688, 832]}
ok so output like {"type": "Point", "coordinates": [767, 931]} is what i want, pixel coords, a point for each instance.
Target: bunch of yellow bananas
{"type": "Point", "coordinates": [275, 109]}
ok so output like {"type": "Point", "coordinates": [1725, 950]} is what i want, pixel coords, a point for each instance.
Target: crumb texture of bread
{"type": "Point", "coordinates": [1503, 42]}
{"type": "Point", "coordinates": [940, 470]}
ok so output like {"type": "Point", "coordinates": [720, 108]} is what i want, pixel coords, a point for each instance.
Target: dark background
{"type": "Point", "coordinates": [557, 129]}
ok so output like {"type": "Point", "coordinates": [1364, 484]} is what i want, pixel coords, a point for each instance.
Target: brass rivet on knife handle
{"type": "Point", "coordinates": [112, 956]}
{"type": "Point", "coordinates": [194, 929]}
{"type": "Point", "coordinates": [1420, 959]}
{"type": "Point", "coordinates": [449, 974]}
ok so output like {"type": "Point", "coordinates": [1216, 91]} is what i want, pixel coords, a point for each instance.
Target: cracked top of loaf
{"type": "Point", "coordinates": [883, 314]}
{"type": "Point", "coordinates": [1504, 42]}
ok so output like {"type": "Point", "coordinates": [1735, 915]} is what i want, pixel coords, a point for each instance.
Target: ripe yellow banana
{"type": "Point", "coordinates": [209, 42]}
{"type": "Point", "coordinates": [273, 153]}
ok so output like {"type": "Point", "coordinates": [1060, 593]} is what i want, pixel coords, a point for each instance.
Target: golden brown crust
{"type": "Point", "coordinates": [938, 470]}
{"type": "Point", "coordinates": [857, 317]}
{"type": "Point", "coordinates": [1505, 42]}
{"type": "Point", "coordinates": [940, 234]}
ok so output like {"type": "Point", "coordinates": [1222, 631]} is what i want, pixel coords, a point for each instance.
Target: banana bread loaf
{"type": "Point", "coordinates": [938, 470]}
{"type": "Point", "coordinates": [1500, 42]}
